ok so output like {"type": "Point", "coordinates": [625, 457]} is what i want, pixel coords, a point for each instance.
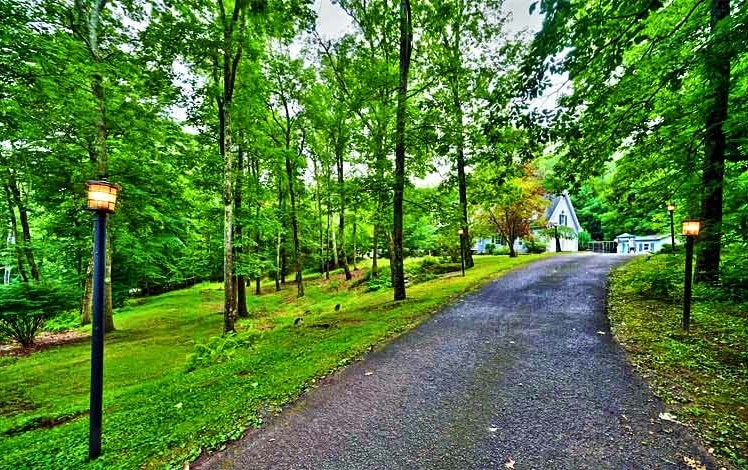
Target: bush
{"type": "Point", "coordinates": [660, 278]}
{"type": "Point", "coordinates": [667, 248]}
{"type": "Point", "coordinates": [63, 322]}
{"type": "Point", "coordinates": [382, 281]}
{"type": "Point", "coordinates": [734, 270]}
{"type": "Point", "coordinates": [500, 250]}
{"type": "Point", "coordinates": [217, 350]}
{"type": "Point", "coordinates": [490, 247]}
{"type": "Point", "coordinates": [534, 246]}
{"type": "Point", "coordinates": [24, 307]}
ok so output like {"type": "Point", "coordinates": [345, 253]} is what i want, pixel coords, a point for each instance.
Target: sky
{"type": "Point", "coordinates": [333, 22]}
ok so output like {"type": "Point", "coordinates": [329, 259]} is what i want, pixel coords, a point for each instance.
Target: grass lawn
{"type": "Point", "coordinates": [702, 376]}
{"type": "Point", "coordinates": [156, 414]}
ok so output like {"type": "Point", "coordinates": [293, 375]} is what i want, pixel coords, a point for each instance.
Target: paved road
{"type": "Point", "coordinates": [524, 370]}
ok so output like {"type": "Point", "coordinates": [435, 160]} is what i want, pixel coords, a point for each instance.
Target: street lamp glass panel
{"type": "Point", "coordinates": [691, 228]}
{"type": "Point", "coordinates": [671, 208]}
{"type": "Point", "coordinates": [102, 196]}
{"type": "Point", "coordinates": [461, 232]}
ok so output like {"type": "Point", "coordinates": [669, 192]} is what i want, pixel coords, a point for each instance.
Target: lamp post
{"type": "Point", "coordinates": [671, 209]}
{"type": "Point", "coordinates": [691, 231]}
{"type": "Point", "coordinates": [101, 198]}
{"type": "Point", "coordinates": [462, 250]}
{"type": "Point", "coordinates": [555, 234]}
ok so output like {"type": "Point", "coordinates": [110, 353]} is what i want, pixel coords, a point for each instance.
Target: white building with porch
{"type": "Point", "coordinates": [628, 243]}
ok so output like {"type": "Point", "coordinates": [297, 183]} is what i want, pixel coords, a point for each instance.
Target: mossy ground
{"type": "Point", "coordinates": [158, 415]}
{"type": "Point", "coordinates": [702, 375]}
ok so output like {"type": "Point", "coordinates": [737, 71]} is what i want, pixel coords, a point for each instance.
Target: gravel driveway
{"type": "Point", "coordinates": [523, 374]}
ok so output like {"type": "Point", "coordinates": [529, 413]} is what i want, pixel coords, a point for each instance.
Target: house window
{"type": "Point", "coordinates": [646, 246]}
{"type": "Point", "coordinates": [640, 247]}
{"type": "Point", "coordinates": [562, 219]}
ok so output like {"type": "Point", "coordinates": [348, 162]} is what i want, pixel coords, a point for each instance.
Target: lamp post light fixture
{"type": "Point", "coordinates": [102, 199]}
{"type": "Point", "coordinates": [671, 209]}
{"type": "Point", "coordinates": [691, 230]}
{"type": "Point", "coordinates": [461, 232]}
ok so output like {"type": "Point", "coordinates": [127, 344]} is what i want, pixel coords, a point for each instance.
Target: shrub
{"type": "Point", "coordinates": [429, 261]}
{"type": "Point", "coordinates": [734, 270]}
{"type": "Point", "coordinates": [490, 247]}
{"type": "Point", "coordinates": [63, 322]}
{"type": "Point", "coordinates": [384, 281]}
{"type": "Point", "coordinates": [24, 307]}
{"type": "Point", "coordinates": [217, 350]}
{"type": "Point", "coordinates": [501, 250]}
{"type": "Point", "coordinates": [661, 277]}
{"type": "Point", "coordinates": [534, 245]}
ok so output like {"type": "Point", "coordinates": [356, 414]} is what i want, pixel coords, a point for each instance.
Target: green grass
{"type": "Point", "coordinates": [158, 415]}
{"type": "Point", "coordinates": [702, 375]}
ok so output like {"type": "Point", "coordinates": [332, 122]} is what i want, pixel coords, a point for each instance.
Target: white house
{"type": "Point", "coordinates": [560, 211]}
{"type": "Point", "coordinates": [628, 243]}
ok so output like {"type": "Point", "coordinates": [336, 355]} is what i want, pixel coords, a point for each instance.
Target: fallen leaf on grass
{"type": "Point", "coordinates": [368, 372]}
{"type": "Point", "coordinates": [668, 417]}
{"type": "Point", "coordinates": [492, 429]}
{"type": "Point", "coordinates": [178, 405]}
{"type": "Point", "coordinates": [509, 464]}
{"type": "Point", "coordinates": [601, 332]}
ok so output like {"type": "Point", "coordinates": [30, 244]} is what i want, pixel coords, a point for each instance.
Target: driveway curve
{"type": "Point", "coordinates": [522, 374]}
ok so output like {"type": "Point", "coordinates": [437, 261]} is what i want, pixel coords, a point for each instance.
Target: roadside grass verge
{"type": "Point", "coordinates": [157, 414]}
{"type": "Point", "coordinates": [702, 376]}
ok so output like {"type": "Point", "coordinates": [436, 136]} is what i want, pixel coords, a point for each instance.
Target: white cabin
{"type": "Point", "coordinates": [628, 243]}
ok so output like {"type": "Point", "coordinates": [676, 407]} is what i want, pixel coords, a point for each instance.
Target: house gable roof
{"type": "Point", "coordinates": [553, 206]}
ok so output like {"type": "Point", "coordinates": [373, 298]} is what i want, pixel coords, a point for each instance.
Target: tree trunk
{"type": "Point", "coordinates": [718, 70]}
{"type": "Point", "coordinates": [14, 234]}
{"type": "Point", "coordinates": [456, 53]}
{"type": "Point", "coordinates": [25, 230]}
{"type": "Point", "coordinates": [465, 245]}
{"type": "Point", "coordinates": [229, 295]}
{"type": "Point", "coordinates": [355, 223]}
{"type": "Point", "coordinates": [241, 285]}
{"type": "Point", "coordinates": [87, 301]}
{"type": "Point", "coordinates": [330, 233]}
{"type": "Point", "coordinates": [290, 174]}
{"type": "Point", "coordinates": [255, 168]}
{"type": "Point", "coordinates": [375, 252]}
{"type": "Point", "coordinates": [108, 317]}
{"type": "Point", "coordinates": [277, 263]}
{"type": "Point", "coordinates": [280, 266]}
{"type": "Point", "coordinates": [343, 258]}
{"type": "Point", "coordinates": [406, 40]}
{"type": "Point", "coordinates": [321, 228]}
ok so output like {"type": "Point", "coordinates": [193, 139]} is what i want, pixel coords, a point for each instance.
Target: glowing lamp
{"type": "Point", "coordinates": [461, 232]}
{"type": "Point", "coordinates": [670, 208]}
{"type": "Point", "coordinates": [102, 196]}
{"type": "Point", "coordinates": [691, 228]}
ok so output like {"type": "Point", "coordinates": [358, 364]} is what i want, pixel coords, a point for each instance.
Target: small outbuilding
{"type": "Point", "coordinates": [628, 243]}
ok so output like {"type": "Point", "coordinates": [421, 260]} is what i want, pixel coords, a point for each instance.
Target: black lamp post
{"type": "Point", "coordinates": [691, 231]}
{"type": "Point", "coordinates": [462, 250]}
{"type": "Point", "coordinates": [102, 198]}
{"type": "Point", "coordinates": [555, 234]}
{"type": "Point", "coordinates": [671, 209]}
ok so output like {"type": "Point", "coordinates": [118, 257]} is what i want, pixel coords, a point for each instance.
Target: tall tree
{"type": "Point", "coordinates": [455, 31]}
{"type": "Point", "coordinates": [717, 70]}
{"type": "Point", "coordinates": [406, 48]}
